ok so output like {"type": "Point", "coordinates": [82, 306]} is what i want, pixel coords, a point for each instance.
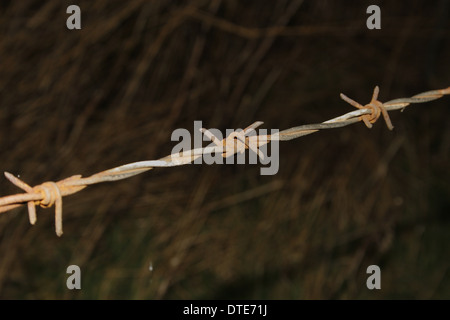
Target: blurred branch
{"type": "Point", "coordinates": [254, 33]}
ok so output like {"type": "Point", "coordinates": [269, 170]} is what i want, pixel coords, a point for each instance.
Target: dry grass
{"type": "Point", "coordinates": [341, 201]}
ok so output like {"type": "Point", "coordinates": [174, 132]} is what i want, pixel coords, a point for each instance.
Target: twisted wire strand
{"type": "Point", "coordinates": [50, 193]}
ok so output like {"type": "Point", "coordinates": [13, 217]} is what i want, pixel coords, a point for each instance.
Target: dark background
{"type": "Point", "coordinates": [83, 101]}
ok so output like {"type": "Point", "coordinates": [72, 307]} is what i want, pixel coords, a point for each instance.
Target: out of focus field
{"type": "Point", "coordinates": [80, 102]}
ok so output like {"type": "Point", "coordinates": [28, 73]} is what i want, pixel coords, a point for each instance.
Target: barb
{"type": "Point", "coordinates": [375, 106]}
{"type": "Point", "coordinates": [50, 193]}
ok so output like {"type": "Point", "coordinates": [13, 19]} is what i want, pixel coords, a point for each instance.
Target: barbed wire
{"type": "Point", "coordinates": [50, 193]}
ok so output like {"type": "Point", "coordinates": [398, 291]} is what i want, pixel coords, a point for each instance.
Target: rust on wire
{"type": "Point", "coordinates": [50, 193]}
{"type": "Point", "coordinates": [375, 106]}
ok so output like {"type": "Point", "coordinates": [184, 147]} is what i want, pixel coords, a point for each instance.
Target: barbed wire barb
{"type": "Point", "coordinates": [50, 193]}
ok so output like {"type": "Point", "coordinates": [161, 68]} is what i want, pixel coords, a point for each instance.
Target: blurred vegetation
{"type": "Point", "coordinates": [79, 102]}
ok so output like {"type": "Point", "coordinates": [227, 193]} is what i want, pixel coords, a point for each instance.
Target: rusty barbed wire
{"type": "Point", "coordinates": [50, 193]}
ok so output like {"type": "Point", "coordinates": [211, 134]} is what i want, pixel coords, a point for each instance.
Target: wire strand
{"type": "Point", "coordinates": [50, 193]}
